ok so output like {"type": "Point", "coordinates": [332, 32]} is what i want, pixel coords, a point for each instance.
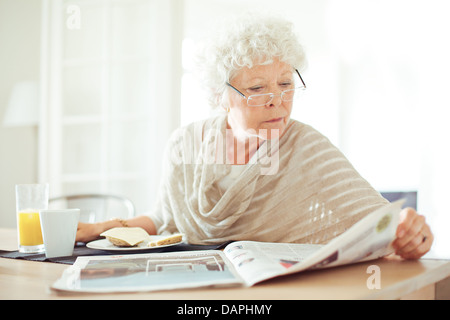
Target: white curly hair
{"type": "Point", "coordinates": [243, 42]}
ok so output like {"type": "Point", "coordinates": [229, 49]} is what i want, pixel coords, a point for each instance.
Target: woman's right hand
{"type": "Point", "coordinates": [87, 232]}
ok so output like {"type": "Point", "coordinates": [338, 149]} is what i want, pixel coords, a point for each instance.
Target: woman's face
{"type": "Point", "coordinates": [271, 78]}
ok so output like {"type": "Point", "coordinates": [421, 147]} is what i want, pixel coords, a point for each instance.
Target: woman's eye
{"type": "Point", "coordinates": [286, 84]}
{"type": "Point", "coordinates": [256, 89]}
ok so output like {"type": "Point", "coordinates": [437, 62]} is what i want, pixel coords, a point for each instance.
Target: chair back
{"type": "Point", "coordinates": [410, 196]}
{"type": "Point", "coordinates": [95, 207]}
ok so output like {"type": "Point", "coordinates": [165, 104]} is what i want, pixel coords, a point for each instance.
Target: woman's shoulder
{"type": "Point", "coordinates": [199, 128]}
{"type": "Point", "coordinates": [215, 121]}
{"type": "Point", "coordinates": [301, 130]}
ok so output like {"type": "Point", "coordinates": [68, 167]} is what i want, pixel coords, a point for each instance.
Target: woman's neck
{"type": "Point", "coordinates": [239, 148]}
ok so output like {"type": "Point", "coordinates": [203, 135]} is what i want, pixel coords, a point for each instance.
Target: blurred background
{"type": "Point", "coordinates": [91, 90]}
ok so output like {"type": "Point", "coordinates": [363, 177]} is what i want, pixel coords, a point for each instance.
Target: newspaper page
{"type": "Point", "coordinates": [242, 263]}
{"type": "Point", "coordinates": [258, 261]}
{"type": "Point", "coordinates": [148, 272]}
{"type": "Point", "coordinates": [368, 239]}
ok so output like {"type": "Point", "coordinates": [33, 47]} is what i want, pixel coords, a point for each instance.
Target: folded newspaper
{"type": "Point", "coordinates": [241, 263]}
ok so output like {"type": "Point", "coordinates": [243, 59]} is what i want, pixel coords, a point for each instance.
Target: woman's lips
{"type": "Point", "coordinates": [274, 120]}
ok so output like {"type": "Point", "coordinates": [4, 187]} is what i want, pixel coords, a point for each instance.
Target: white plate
{"type": "Point", "coordinates": [104, 244]}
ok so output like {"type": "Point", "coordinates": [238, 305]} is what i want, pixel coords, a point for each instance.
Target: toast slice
{"type": "Point", "coordinates": [175, 238]}
{"type": "Point", "coordinates": [126, 237]}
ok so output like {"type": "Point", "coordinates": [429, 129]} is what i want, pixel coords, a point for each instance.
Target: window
{"type": "Point", "coordinates": [105, 114]}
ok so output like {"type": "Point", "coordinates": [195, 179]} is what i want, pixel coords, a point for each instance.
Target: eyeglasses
{"type": "Point", "coordinates": [259, 100]}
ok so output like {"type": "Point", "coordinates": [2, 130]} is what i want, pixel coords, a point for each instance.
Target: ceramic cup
{"type": "Point", "coordinates": [59, 229]}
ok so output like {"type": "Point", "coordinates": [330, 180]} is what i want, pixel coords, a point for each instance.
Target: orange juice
{"type": "Point", "coordinates": [29, 228]}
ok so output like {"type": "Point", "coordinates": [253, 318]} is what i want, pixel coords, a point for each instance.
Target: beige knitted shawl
{"type": "Point", "coordinates": [298, 189]}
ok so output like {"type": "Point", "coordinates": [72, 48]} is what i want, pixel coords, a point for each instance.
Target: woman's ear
{"type": "Point", "coordinates": [222, 101]}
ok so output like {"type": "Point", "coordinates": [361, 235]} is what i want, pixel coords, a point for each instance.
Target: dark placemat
{"type": "Point", "coordinates": [82, 250]}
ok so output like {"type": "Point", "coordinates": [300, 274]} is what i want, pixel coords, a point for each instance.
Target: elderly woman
{"type": "Point", "coordinates": [252, 172]}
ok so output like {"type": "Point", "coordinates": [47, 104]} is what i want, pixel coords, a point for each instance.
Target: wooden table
{"type": "Point", "coordinates": [400, 279]}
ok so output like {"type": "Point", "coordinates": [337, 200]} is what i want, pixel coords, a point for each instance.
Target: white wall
{"type": "Point", "coordinates": [19, 61]}
{"type": "Point", "coordinates": [394, 100]}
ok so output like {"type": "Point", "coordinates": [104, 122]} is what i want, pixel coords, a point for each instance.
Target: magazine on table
{"type": "Point", "coordinates": [241, 263]}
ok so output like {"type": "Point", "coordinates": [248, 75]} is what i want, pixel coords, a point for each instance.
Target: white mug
{"type": "Point", "coordinates": [59, 229]}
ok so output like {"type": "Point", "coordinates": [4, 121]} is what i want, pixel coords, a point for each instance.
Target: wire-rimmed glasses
{"type": "Point", "coordinates": [259, 100]}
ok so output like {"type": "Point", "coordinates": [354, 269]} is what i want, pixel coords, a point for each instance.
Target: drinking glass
{"type": "Point", "coordinates": [30, 198]}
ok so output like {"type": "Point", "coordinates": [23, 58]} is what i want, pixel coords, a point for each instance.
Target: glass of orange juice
{"type": "Point", "coordinates": [30, 198]}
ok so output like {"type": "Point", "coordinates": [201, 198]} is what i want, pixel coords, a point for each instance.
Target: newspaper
{"type": "Point", "coordinates": [241, 263]}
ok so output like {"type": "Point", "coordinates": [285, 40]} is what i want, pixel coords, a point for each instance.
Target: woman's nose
{"type": "Point", "coordinates": [275, 101]}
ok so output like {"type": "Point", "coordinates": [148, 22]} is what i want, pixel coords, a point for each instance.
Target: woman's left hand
{"type": "Point", "coordinates": [414, 236]}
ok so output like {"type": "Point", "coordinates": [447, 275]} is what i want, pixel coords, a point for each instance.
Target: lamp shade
{"type": "Point", "coordinates": [23, 105]}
